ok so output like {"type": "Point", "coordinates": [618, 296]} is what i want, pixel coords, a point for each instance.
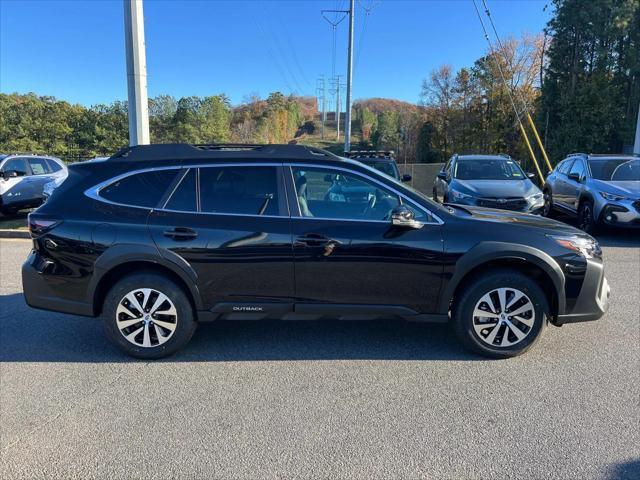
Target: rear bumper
{"type": "Point", "coordinates": [594, 297]}
{"type": "Point", "coordinates": [38, 293]}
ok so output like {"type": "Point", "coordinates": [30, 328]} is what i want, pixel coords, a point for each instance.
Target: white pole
{"type": "Point", "coordinates": [636, 145]}
{"type": "Point", "coordinates": [347, 118]}
{"type": "Point", "coordinates": [136, 73]}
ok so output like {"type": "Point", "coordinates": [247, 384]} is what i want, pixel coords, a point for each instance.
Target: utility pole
{"type": "Point", "coordinates": [336, 85]}
{"type": "Point", "coordinates": [347, 118]}
{"type": "Point", "coordinates": [321, 90]}
{"type": "Point", "coordinates": [636, 145]}
{"type": "Point", "coordinates": [138, 105]}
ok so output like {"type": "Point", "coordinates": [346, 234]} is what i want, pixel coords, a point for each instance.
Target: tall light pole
{"type": "Point", "coordinates": [136, 73]}
{"type": "Point", "coordinates": [347, 118]}
{"type": "Point", "coordinates": [636, 145]}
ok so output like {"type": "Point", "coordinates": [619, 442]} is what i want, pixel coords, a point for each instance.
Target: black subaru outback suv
{"type": "Point", "coordinates": [159, 238]}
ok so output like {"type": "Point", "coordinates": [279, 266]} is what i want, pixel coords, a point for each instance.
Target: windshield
{"type": "Point", "coordinates": [488, 169]}
{"type": "Point", "coordinates": [388, 168]}
{"type": "Point", "coordinates": [615, 169]}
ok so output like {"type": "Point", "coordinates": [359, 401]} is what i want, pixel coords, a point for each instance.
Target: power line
{"type": "Point", "coordinates": [367, 13]}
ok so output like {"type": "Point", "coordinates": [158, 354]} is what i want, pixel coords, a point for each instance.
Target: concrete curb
{"type": "Point", "coordinates": [14, 233]}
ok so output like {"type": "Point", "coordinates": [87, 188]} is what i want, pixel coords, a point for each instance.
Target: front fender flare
{"type": "Point", "coordinates": [485, 252]}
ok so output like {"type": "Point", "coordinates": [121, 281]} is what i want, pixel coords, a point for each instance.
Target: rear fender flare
{"type": "Point", "coordinates": [125, 253]}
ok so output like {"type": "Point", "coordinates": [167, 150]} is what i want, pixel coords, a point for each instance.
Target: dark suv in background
{"type": "Point", "coordinates": [161, 237]}
{"type": "Point", "coordinates": [382, 160]}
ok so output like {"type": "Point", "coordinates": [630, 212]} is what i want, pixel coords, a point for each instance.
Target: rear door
{"type": "Point", "coordinates": [41, 175]}
{"type": "Point", "coordinates": [574, 187]}
{"type": "Point", "coordinates": [231, 224]}
{"type": "Point", "coordinates": [563, 189]}
{"type": "Point", "coordinates": [346, 250]}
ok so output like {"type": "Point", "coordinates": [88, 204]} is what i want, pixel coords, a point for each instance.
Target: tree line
{"type": "Point", "coordinates": [579, 79]}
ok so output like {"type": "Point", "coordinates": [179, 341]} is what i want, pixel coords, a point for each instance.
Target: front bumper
{"type": "Point", "coordinates": [593, 299]}
{"type": "Point", "coordinates": [621, 214]}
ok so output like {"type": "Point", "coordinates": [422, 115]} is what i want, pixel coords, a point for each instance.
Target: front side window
{"type": "Point", "coordinates": [487, 169]}
{"type": "Point", "coordinates": [577, 168]}
{"type": "Point", "coordinates": [16, 164]}
{"type": "Point", "coordinates": [246, 190]}
{"type": "Point", "coordinates": [334, 194]}
{"type": "Point", "coordinates": [564, 166]}
{"type": "Point", "coordinates": [143, 189]}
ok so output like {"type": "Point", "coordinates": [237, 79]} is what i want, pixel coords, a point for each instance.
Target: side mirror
{"type": "Point", "coordinates": [442, 176]}
{"type": "Point", "coordinates": [531, 176]}
{"type": "Point", "coordinates": [574, 176]}
{"type": "Point", "coordinates": [403, 217]}
{"type": "Point", "coordinates": [406, 177]}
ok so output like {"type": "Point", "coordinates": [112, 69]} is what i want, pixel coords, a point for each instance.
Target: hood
{"type": "Point", "coordinates": [546, 225]}
{"type": "Point", "coordinates": [496, 188]}
{"type": "Point", "coordinates": [628, 188]}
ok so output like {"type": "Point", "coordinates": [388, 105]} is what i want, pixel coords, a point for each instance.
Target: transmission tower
{"type": "Point", "coordinates": [321, 91]}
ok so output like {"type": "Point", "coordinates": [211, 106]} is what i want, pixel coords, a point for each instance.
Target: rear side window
{"type": "Point", "coordinates": [39, 166]}
{"type": "Point", "coordinates": [53, 166]}
{"type": "Point", "coordinates": [247, 190]}
{"type": "Point", "coordinates": [184, 197]}
{"type": "Point", "coordinates": [141, 189]}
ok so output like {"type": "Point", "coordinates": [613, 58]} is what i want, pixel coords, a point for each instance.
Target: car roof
{"type": "Point", "coordinates": [223, 151]}
{"type": "Point", "coordinates": [30, 155]}
{"type": "Point", "coordinates": [482, 157]}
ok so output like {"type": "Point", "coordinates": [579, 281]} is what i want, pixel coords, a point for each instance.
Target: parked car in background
{"type": "Point", "coordinates": [26, 180]}
{"type": "Point", "coordinates": [597, 189]}
{"type": "Point", "coordinates": [493, 181]}
{"type": "Point", "coordinates": [383, 161]}
{"type": "Point", "coordinates": [161, 237]}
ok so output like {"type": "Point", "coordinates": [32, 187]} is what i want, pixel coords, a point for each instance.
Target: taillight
{"type": "Point", "coordinates": [40, 225]}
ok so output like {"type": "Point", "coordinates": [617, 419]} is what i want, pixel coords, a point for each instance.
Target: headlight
{"type": "Point", "coordinates": [459, 195]}
{"type": "Point", "coordinates": [587, 247]}
{"type": "Point", "coordinates": [536, 197]}
{"type": "Point", "coordinates": [611, 196]}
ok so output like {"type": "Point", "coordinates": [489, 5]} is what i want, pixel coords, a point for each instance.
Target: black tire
{"type": "Point", "coordinates": [435, 195]}
{"type": "Point", "coordinates": [185, 323]}
{"type": "Point", "coordinates": [547, 210]}
{"type": "Point", "coordinates": [465, 323]}
{"type": "Point", "coordinates": [586, 220]}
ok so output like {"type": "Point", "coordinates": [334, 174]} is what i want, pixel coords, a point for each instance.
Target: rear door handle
{"type": "Point", "coordinates": [180, 233]}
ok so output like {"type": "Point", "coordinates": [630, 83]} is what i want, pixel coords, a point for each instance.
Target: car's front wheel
{"type": "Point", "coordinates": [148, 316]}
{"type": "Point", "coordinates": [586, 219]}
{"type": "Point", "coordinates": [501, 314]}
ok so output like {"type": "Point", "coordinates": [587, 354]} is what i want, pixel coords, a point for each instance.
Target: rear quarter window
{"type": "Point", "coordinates": [144, 189]}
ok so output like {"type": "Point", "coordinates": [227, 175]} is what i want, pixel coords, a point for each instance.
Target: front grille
{"type": "Point", "coordinates": [503, 203]}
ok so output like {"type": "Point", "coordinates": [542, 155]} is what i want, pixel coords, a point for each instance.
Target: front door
{"type": "Point", "coordinates": [347, 252]}
{"type": "Point", "coordinates": [231, 225]}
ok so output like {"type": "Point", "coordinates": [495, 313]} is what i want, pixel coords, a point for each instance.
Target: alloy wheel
{"type": "Point", "coordinates": [503, 317]}
{"type": "Point", "coordinates": [547, 204]}
{"type": "Point", "coordinates": [146, 317]}
{"type": "Point", "coordinates": [586, 217]}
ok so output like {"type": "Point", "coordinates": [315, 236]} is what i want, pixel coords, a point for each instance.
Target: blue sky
{"type": "Point", "coordinates": [74, 50]}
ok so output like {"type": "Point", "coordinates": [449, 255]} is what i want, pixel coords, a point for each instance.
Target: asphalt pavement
{"type": "Point", "coordinates": [332, 400]}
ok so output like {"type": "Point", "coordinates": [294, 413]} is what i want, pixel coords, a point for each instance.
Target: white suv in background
{"type": "Point", "coordinates": [26, 180]}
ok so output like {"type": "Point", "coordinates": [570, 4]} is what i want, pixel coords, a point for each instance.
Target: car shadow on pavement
{"type": "Point", "coordinates": [625, 471]}
{"type": "Point", "coordinates": [28, 335]}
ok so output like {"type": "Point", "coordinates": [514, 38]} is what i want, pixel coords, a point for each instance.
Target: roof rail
{"type": "Point", "coordinates": [504, 155]}
{"type": "Point", "coordinates": [577, 154]}
{"type": "Point", "coordinates": [182, 151]}
{"type": "Point", "coordinates": [369, 153]}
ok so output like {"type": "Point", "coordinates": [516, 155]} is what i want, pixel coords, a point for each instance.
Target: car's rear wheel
{"type": "Point", "coordinates": [435, 195]}
{"type": "Point", "coordinates": [547, 210]}
{"type": "Point", "coordinates": [148, 316]}
{"type": "Point", "coordinates": [501, 314]}
{"type": "Point", "coordinates": [586, 219]}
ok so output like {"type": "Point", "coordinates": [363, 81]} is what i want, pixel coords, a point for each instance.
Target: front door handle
{"type": "Point", "coordinates": [180, 233]}
{"type": "Point", "coordinates": [316, 240]}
